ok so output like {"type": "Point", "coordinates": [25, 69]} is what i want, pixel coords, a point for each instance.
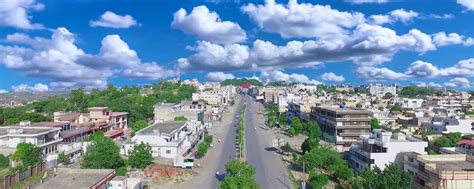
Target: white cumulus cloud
{"type": "Point", "coordinates": [14, 13]}
{"type": "Point", "coordinates": [218, 76]}
{"type": "Point", "coordinates": [207, 25]}
{"type": "Point", "coordinates": [443, 39]}
{"type": "Point", "coordinates": [330, 76]}
{"type": "Point", "coordinates": [67, 66]}
{"type": "Point", "coordinates": [111, 20]}
{"type": "Point", "coordinates": [458, 82]}
{"type": "Point", "coordinates": [36, 88]}
{"type": "Point", "coordinates": [268, 75]}
{"type": "Point", "coordinates": [468, 4]}
{"type": "Point", "coordinates": [398, 15]}
{"type": "Point", "coordinates": [367, 1]}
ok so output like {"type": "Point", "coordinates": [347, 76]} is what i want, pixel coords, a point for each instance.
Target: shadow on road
{"type": "Point", "coordinates": [271, 149]}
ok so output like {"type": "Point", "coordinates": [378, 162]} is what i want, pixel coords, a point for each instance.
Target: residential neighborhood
{"type": "Point", "coordinates": [237, 94]}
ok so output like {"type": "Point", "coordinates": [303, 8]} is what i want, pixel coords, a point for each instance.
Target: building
{"type": "Point", "coordinates": [383, 116]}
{"type": "Point", "coordinates": [95, 115]}
{"type": "Point", "coordinates": [444, 125]}
{"type": "Point", "coordinates": [212, 97]}
{"type": "Point", "coordinates": [170, 140]}
{"type": "Point", "coordinates": [382, 148]}
{"type": "Point", "coordinates": [45, 137]}
{"type": "Point", "coordinates": [446, 171]}
{"type": "Point", "coordinates": [103, 114]}
{"type": "Point", "coordinates": [407, 103]}
{"type": "Point", "coordinates": [343, 126]}
{"type": "Point", "coordinates": [378, 89]}
{"type": "Point", "coordinates": [164, 112]}
{"type": "Point", "coordinates": [79, 179]}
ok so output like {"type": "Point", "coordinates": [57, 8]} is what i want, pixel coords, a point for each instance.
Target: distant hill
{"type": "Point", "coordinates": [24, 97]}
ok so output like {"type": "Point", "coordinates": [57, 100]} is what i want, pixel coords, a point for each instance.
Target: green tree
{"type": "Point", "coordinates": [28, 154]}
{"type": "Point", "coordinates": [4, 161]}
{"type": "Point", "coordinates": [313, 130]}
{"type": "Point", "coordinates": [391, 177]}
{"type": "Point", "coordinates": [387, 96]}
{"type": "Point", "coordinates": [297, 125]}
{"type": "Point", "coordinates": [282, 119]}
{"type": "Point", "coordinates": [77, 100]}
{"type": "Point", "coordinates": [138, 125]}
{"type": "Point", "coordinates": [317, 181]}
{"type": "Point", "coordinates": [239, 175]}
{"type": "Point", "coordinates": [63, 158]}
{"type": "Point", "coordinates": [396, 108]}
{"type": "Point", "coordinates": [287, 148]}
{"type": "Point", "coordinates": [309, 144]}
{"type": "Point", "coordinates": [102, 153]}
{"type": "Point", "coordinates": [202, 149]}
{"type": "Point", "coordinates": [374, 123]}
{"type": "Point", "coordinates": [292, 131]}
{"type": "Point", "coordinates": [449, 140]}
{"type": "Point", "coordinates": [140, 156]}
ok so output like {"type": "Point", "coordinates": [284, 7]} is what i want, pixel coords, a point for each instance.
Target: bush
{"type": "Point", "coordinates": [121, 171]}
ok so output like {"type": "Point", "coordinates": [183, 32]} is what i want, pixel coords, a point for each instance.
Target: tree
{"type": "Point", "coordinates": [239, 175]}
{"type": "Point", "coordinates": [374, 123]}
{"type": "Point", "coordinates": [138, 125]}
{"type": "Point", "coordinates": [4, 161]}
{"type": "Point", "coordinates": [103, 153]}
{"type": "Point", "coordinates": [391, 177]}
{"type": "Point", "coordinates": [287, 148]}
{"type": "Point", "coordinates": [202, 149]}
{"type": "Point", "coordinates": [449, 140]}
{"type": "Point", "coordinates": [282, 119]}
{"type": "Point", "coordinates": [77, 100]}
{"type": "Point", "coordinates": [297, 125]}
{"type": "Point", "coordinates": [28, 154]}
{"type": "Point", "coordinates": [309, 144]}
{"type": "Point", "coordinates": [140, 156]}
{"type": "Point", "coordinates": [291, 131]}
{"type": "Point", "coordinates": [313, 130]}
{"type": "Point", "coordinates": [396, 108]}
{"type": "Point", "coordinates": [63, 158]}
{"type": "Point", "coordinates": [387, 96]}
{"type": "Point", "coordinates": [317, 181]}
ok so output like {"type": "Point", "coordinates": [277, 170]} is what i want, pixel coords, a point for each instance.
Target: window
{"type": "Point", "coordinates": [168, 151]}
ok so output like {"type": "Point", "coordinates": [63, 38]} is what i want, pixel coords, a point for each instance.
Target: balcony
{"type": "Point", "coordinates": [353, 134]}
{"type": "Point", "coordinates": [353, 127]}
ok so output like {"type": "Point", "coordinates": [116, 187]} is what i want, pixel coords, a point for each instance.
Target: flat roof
{"type": "Point", "coordinates": [165, 127]}
{"type": "Point", "coordinates": [49, 124]}
{"type": "Point", "coordinates": [454, 166]}
{"type": "Point", "coordinates": [27, 130]}
{"type": "Point", "coordinates": [344, 110]}
{"type": "Point", "coordinates": [76, 178]}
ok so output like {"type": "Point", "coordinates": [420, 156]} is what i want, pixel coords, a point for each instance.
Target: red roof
{"type": "Point", "coordinates": [246, 85]}
{"type": "Point", "coordinates": [468, 142]}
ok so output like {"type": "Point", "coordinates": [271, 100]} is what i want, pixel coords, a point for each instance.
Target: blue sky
{"type": "Point", "coordinates": [55, 45]}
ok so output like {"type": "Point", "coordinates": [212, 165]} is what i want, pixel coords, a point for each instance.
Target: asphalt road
{"type": "Point", "coordinates": [229, 150]}
{"type": "Point", "coordinates": [270, 171]}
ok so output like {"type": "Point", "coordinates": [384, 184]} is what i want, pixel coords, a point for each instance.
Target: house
{"type": "Point", "coordinates": [447, 171]}
{"type": "Point", "coordinates": [95, 115]}
{"type": "Point", "coordinates": [382, 148]}
{"type": "Point", "coordinates": [171, 140]}
{"type": "Point", "coordinates": [43, 136]}
{"type": "Point", "coordinates": [444, 125]}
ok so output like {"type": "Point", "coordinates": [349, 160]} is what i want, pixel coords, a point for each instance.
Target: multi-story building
{"type": "Point", "coordinates": [103, 114]}
{"type": "Point", "coordinates": [382, 148]}
{"type": "Point", "coordinates": [343, 126]}
{"type": "Point", "coordinates": [44, 136]}
{"type": "Point", "coordinates": [212, 97]}
{"type": "Point", "coordinates": [446, 171]}
{"type": "Point", "coordinates": [444, 125]}
{"type": "Point", "coordinates": [95, 115]}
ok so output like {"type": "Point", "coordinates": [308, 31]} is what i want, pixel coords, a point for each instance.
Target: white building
{"type": "Point", "coordinates": [382, 148]}
{"type": "Point", "coordinates": [47, 138]}
{"type": "Point", "coordinates": [379, 89]}
{"type": "Point", "coordinates": [444, 125]}
{"type": "Point", "coordinates": [170, 140]}
{"type": "Point", "coordinates": [384, 116]}
{"type": "Point", "coordinates": [408, 103]}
